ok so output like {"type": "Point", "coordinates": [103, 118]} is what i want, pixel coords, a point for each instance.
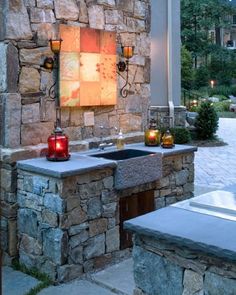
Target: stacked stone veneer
{"type": "Point", "coordinates": [27, 114]}
{"type": "Point", "coordinates": [166, 269]}
{"type": "Point", "coordinates": [69, 226]}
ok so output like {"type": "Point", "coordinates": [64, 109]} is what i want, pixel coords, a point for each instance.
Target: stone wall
{"type": "Point", "coordinates": [69, 226]}
{"type": "Point", "coordinates": [166, 269]}
{"type": "Point", "coordinates": [27, 114]}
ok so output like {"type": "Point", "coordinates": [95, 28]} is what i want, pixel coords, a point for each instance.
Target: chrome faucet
{"type": "Point", "coordinates": [103, 144]}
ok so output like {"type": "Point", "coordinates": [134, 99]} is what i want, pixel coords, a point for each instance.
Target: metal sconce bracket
{"type": "Point", "coordinates": [127, 53]}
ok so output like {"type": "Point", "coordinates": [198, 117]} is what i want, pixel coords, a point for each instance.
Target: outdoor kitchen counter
{"type": "Point", "coordinates": [179, 251]}
{"type": "Point", "coordinates": [80, 163]}
{"type": "Point", "coordinates": [196, 231]}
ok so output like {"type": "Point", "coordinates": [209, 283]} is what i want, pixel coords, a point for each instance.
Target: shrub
{"type": "Point", "coordinates": [201, 77]}
{"type": "Point", "coordinates": [186, 68]}
{"type": "Point", "coordinates": [221, 90]}
{"type": "Point", "coordinates": [206, 121]}
{"type": "Point", "coordinates": [181, 135]}
{"type": "Point", "coordinates": [222, 106]}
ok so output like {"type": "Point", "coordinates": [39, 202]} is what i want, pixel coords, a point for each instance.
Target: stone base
{"type": "Point", "coordinates": [161, 114]}
{"type": "Point", "coordinates": [163, 268]}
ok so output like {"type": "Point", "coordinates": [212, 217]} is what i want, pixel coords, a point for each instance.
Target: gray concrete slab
{"type": "Point", "coordinates": [16, 283]}
{"type": "Point", "coordinates": [118, 277]}
{"type": "Point", "coordinates": [78, 287]}
{"type": "Point", "coordinates": [197, 231]}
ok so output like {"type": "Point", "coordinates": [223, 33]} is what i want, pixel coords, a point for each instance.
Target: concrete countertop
{"type": "Point", "coordinates": [81, 162]}
{"type": "Point", "coordinates": [194, 230]}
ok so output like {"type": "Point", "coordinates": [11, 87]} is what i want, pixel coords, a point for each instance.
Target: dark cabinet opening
{"type": "Point", "coordinates": [133, 206]}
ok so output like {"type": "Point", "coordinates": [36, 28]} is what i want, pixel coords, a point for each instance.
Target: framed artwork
{"type": "Point", "coordinates": [87, 67]}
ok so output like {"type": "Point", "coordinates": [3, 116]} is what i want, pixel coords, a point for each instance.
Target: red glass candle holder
{"type": "Point", "coordinates": [58, 146]}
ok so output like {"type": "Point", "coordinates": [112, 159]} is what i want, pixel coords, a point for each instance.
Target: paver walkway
{"type": "Point", "coordinates": [215, 168]}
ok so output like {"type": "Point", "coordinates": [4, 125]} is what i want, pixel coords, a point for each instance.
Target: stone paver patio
{"type": "Point", "coordinates": [215, 166]}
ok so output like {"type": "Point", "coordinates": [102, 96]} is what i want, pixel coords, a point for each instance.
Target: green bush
{"type": "Point", "coordinates": [220, 90]}
{"type": "Point", "coordinates": [186, 68]}
{"type": "Point", "coordinates": [201, 77]}
{"type": "Point", "coordinates": [221, 106]}
{"type": "Point", "coordinates": [206, 121]}
{"type": "Point", "coordinates": [181, 135]}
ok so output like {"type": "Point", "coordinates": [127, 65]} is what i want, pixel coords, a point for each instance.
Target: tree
{"type": "Point", "coordinates": [206, 121]}
{"type": "Point", "coordinates": [186, 68]}
{"type": "Point", "coordinates": [198, 18]}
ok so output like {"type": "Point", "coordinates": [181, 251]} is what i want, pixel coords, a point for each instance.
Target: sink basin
{"type": "Point", "coordinates": [134, 167]}
{"type": "Point", "coordinates": [122, 154]}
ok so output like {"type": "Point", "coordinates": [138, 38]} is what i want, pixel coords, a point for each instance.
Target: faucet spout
{"type": "Point", "coordinates": [103, 145]}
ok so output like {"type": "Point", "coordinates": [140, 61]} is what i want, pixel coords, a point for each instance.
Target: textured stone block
{"type": "Point", "coordinates": [113, 239]}
{"type": "Point", "coordinates": [69, 272]}
{"type": "Point", "coordinates": [30, 113]}
{"type": "Point", "coordinates": [38, 15]}
{"type": "Point", "coordinates": [11, 119]}
{"type": "Point", "coordinates": [109, 210]}
{"type": "Point", "coordinates": [96, 17]}
{"type": "Point", "coordinates": [66, 9]}
{"type": "Point", "coordinates": [95, 247]}
{"type": "Point", "coordinates": [76, 216]}
{"type": "Point", "coordinates": [9, 210]}
{"type": "Point", "coordinates": [28, 222]}
{"type": "Point", "coordinates": [181, 177]}
{"type": "Point", "coordinates": [109, 197]}
{"type": "Point", "coordinates": [54, 203]}
{"type": "Point", "coordinates": [8, 180]}
{"type": "Point", "coordinates": [50, 218]}
{"type": "Point", "coordinates": [55, 245]}
{"type": "Point", "coordinates": [78, 239]}
{"type": "Point", "coordinates": [30, 245]}
{"type": "Point", "coordinates": [77, 229]}
{"type": "Point", "coordinates": [30, 201]}
{"type": "Point", "coordinates": [35, 133]}
{"type": "Point", "coordinates": [9, 68]}
{"type": "Point", "coordinates": [97, 226]}
{"type": "Point", "coordinates": [45, 3]}
{"type": "Point", "coordinates": [155, 274]}
{"type": "Point", "coordinates": [76, 255]}
{"type": "Point", "coordinates": [140, 9]}
{"type": "Point", "coordinates": [29, 80]}
{"type": "Point", "coordinates": [193, 282]}
{"type": "Point", "coordinates": [35, 56]}
{"type": "Point", "coordinates": [218, 285]}
{"type": "Point", "coordinates": [125, 5]}
{"type": "Point", "coordinates": [94, 208]}
{"type": "Point", "coordinates": [17, 24]}
{"type": "Point", "coordinates": [12, 237]}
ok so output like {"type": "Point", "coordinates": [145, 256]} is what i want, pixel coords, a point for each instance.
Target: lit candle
{"type": "Point", "coordinates": [58, 147]}
{"type": "Point", "coordinates": [55, 45]}
{"type": "Point", "coordinates": [127, 51]}
{"type": "Point", "coordinates": [212, 83]}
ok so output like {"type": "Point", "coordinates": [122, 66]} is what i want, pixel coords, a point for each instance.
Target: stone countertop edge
{"type": "Point", "coordinates": [200, 232]}
{"type": "Point", "coordinates": [78, 164]}
{"type": "Point", "coordinates": [81, 162]}
{"type": "Point", "coordinates": [165, 152]}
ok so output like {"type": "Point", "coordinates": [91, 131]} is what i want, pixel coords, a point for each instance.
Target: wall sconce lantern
{"type": "Point", "coordinates": [58, 142]}
{"type": "Point", "coordinates": [127, 53]}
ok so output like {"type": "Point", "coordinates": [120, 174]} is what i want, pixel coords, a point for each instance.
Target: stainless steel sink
{"type": "Point", "coordinates": [134, 167]}
{"type": "Point", "coordinates": [122, 154]}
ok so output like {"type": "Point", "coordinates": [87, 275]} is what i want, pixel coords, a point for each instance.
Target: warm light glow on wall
{"type": "Point", "coordinates": [87, 67]}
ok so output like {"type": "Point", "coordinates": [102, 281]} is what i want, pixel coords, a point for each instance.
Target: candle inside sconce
{"type": "Point", "coordinates": [212, 83]}
{"type": "Point", "coordinates": [55, 45]}
{"type": "Point", "coordinates": [127, 51]}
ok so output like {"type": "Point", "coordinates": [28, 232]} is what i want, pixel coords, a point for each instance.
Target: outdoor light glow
{"type": "Point", "coordinates": [212, 83]}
